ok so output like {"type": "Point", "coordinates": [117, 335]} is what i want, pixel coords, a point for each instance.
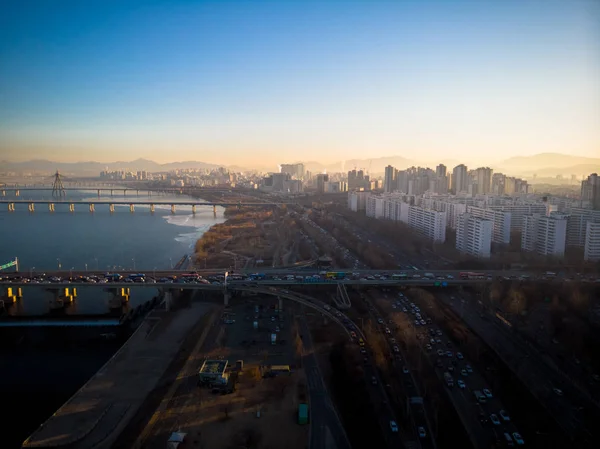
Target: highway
{"type": "Point", "coordinates": [138, 202]}
{"type": "Point", "coordinates": [566, 407]}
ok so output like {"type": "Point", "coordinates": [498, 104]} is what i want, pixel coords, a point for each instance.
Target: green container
{"type": "Point", "coordinates": [303, 414]}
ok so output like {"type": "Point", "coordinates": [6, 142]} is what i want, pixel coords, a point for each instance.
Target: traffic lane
{"type": "Point", "coordinates": [542, 379]}
{"type": "Point", "coordinates": [469, 409]}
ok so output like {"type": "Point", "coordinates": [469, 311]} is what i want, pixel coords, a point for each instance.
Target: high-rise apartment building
{"type": "Point", "coordinates": [545, 235]}
{"type": "Point", "coordinates": [577, 225]}
{"type": "Point", "coordinates": [440, 170]}
{"type": "Point", "coordinates": [427, 222]}
{"type": "Point", "coordinates": [459, 179]}
{"type": "Point", "coordinates": [590, 191]}
{"type": "Point", "coordinates": [483, 178]}
{"type": "Point", "coordinates": [357, 201]}
{"type": "Point", "coordinates": [322, 178]}
{"type": "Point", "coordinates": [474, 236]}
{"type": "Point", "coordinates": [357, 180]}
{"type": "Point", "coordinates": [591, 251]}
{"type": "Point", "coordinates": [389, 182]}
{"type": "Point", "coordinates": [501, 222]}
{"type": "Point", "coordinates": [295, 170]}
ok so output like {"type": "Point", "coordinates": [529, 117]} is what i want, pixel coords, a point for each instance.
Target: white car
{"type": "Point", "coordinates": [393, 426]}
{"type": "Point", "coordinates": [460, 384]}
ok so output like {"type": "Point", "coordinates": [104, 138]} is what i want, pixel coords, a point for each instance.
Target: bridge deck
{"type": "Point", "coordinates": [145, 202]}
{"type": "Point", "coordinates": [103, 406]}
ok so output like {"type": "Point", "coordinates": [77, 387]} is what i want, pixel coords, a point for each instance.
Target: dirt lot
{"type": "Point", "coordinates": [262, 412]}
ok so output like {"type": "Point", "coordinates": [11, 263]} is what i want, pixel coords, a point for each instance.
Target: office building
{"type": "Point", "coordinates": [459, 179]}
{"type": "Point", "coordinates": [294, 170]}
{"type": "Point", "coordinates": [592, 242]}
{"type": "Point", "coordinates": [474, 236]}
{"type": "Point", "coordinates": [590, 191]}
{"type": "Point", "coordinates": [357, 180]}
{"type": "Point", "coordinates": [501, 222]}
{"type": "Point", "coordinates": [427, 222]}
{"type": "Point", "coordinates": [545, 235]}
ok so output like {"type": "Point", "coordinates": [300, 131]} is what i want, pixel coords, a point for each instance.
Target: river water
{"type": "Point", "coordinates": [42, 367]}
{"type": "Point", "coordinates": [82, 240]}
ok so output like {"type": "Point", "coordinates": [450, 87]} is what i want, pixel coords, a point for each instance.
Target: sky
{"type": "Point", "coordinates": [280, 81]}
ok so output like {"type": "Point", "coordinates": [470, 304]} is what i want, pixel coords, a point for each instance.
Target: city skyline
{"type": "Point", "coordinates": [284, 82]}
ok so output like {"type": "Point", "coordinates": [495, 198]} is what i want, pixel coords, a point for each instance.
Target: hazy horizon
{"type": "Point", "coordinates": [235, 83]}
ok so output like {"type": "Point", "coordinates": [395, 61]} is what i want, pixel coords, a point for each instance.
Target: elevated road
{"type": "Point", "coordinates": [144, 202]}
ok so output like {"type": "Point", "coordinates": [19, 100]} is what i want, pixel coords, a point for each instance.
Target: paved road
{"type": "Point", "coordinates": [326, 430]}
{"type": "Point", "coordinates": [566, 408]}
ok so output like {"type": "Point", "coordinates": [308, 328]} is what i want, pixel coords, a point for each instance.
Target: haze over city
{"type": "Point", "coordinates": [235, 83]}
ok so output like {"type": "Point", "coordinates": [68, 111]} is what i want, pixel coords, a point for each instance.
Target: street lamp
{"type": "Point", "coordinates": [31, 272]}
{"type": "Point", "coordinates": [71, 272]}
{"type": "Point", "coordinates": [86, 267]}
{"type": "Point", "coordinates": [154, 272]}
{"type": "Point", "coordinates": [133, 260]}
{"type": "Point", "coordinates": [171, 262]}
{"type": "Point", "coordinates": [96, 259]}
{"type": "Point", "coordinates": [59, 265]}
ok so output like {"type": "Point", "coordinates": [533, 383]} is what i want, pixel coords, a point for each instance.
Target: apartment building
{"type": "Point", "coordinates": [520, 210]}
{"type": "Point", "coordinates": [545, 235]}
{"type": "Point", "coordinates": [357, 201]}
{"type": "Point", "coordinates": [374, 206]}
{"type": "Point", "coordinates": [427, 222]}
{"type": "Point", "coordinates": [501, 222]}
{"type": "Point", "coordinates": [474, 236]}
{"type": "Point", "coordinates": [592, 242]}
{"type": "Point", "coordinates": [577, 224]}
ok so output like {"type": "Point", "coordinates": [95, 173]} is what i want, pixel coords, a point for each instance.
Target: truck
{"type": "Point", "coordinates": [273, 339]}
{"type": "Point", "coordinates": [302, 414]}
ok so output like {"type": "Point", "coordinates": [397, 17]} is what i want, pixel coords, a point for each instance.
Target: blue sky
{"type": "Point", "coordinates": [233, 82]}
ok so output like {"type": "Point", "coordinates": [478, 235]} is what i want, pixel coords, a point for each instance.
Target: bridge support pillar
{"type": "Point", "coordinates": [98, 193]}
{"type": "Point", "coordinates": [152, 208]}
{"type": "Point", "coordinates": [280, 305]}
{"type": "Point", "coordinates": [11, 207]}
{"type": "Point", "coordinates": [111, 192]}
{"type": "Point", "coordinates": [4, 193]}
{"type": "Point", "coordinates": [12, 295]}
{"type": "Point", "coordinates": [137, 192]}
{"type": "Point", "coordinates": [62, 297]}
{"type": "Point", "coordinates": [31, 207]}
{"type": "Point", "coordinates": [168, 299]}
{"type": "Point", "coordinates": [194, 209]}
{"type": "Point", "coordinates": [131, 208]}
{"type": "Point", "coordinates": [51, 207]}
{"type": "Point", "coordinates": [118, 297]}
{"type": "Point", "coordinates": [71, 208]}
{"type": "Point", "coordinates": [124, 192]}
{"type": "Point", "coordinates": [17, 193]}
{"type": "Point", "coordinates": [172, 208]}
{"type": "Point", "coordinates": [214, 210]}
{"type": "Point", "coordinates": [92, 208]}
{"type": "Point", "coordinates": [226, 297]}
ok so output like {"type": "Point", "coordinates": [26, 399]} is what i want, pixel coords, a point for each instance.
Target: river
{"type": "Point", "coordinates": [43, 367]}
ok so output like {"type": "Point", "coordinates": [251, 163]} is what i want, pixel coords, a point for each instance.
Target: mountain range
{"type": "Point", "coordinates": [543, 164]}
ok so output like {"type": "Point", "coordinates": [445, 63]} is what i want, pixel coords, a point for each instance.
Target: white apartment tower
{"type": "Point", "coordinates": [501, 222]}
{"type": "Point", "coordinates": [592, 242]}
{"type": "Point", "coordinates": [474, 236]}
{"type": "Point", "coordinates": [460, 179]}
{"type": "Point", "coordinates": [428, 222]}
{"type": "Point", "coordinates": [545, 235]}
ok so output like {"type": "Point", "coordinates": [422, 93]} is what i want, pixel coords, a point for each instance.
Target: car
{"type": "Point", "coordinates": [379, 320]}
{"type": "Point", "coordinates": [440, 352]}
{"type": "Point", "coordinates": [439, 363]}
{"type": "Point", "coordinates": [277, 329]}
{"type": "Point", "coordinates": [387, 330]}
{"type": "Point", "coordinates": [483, 419]}
{"type": "Point", "coordinates": [373, 380]}
{"type": "Point", "coordinates": [422, 433]}
{"type": "Point", "coordinates": [422, 322]}
{"type": "Point", "coordinates": [428, 347]}
{"type": "Point", "coordinates": [353, 334]}
{"type": "Point", "coordinates": [393, 426]}
{"type": "Point", "coordinates": [487, 393]}
{"type": "Point", "coordinates": [518, 438]}
{"type": "Point", "coordinates": [449, 353]}
{"type": "Point", "coordinates": [494, 419]}
{"type": "Point", "coordinates": [404, 309]}
{"type": "Point", "coordinates": [459, 356]}
{"type": "Point", "coordinates": [450, 368]}
{"type": "Point", "coordinates": [460, 384]}
{"type": "Point", "coordinates": [463, 372]}
{"type": "Point", "coordinates": [363, 351]}
{"type": "Point", "coordinates": [392, 340]}
{"type": "Point", "coordinates": [272, 318]}
{"type": "Point", "coordinates": [468, 368]}
{"type": "Point", "coordinates": [504, 415]}
{"type": "Point", "coordinates": [396, 349]}
{"type": "Point", "coordinates": [558, 391]}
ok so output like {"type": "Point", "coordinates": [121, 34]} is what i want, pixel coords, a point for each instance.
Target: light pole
{"type": "Point", "coordinates": [154, 273]}
{"type": "Point", "coordinates": [31, 272]}
{"type": "Point", "coordinates": [86, 267]}
{"type": "Point", "coordinates": [59, 265]}
{"type": "Point", "coordinates": [171, 262]}
{"type": "Point", "coordinates": [71, 272]}
{"type": "Point", "coordinates": [133, 260]}
{"type": "Point", "coordinates": [96, 259]}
